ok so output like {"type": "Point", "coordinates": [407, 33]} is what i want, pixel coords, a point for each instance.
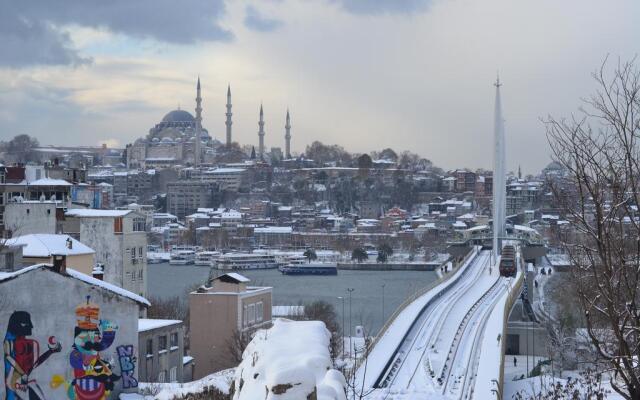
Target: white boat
{"type": "Point", "coordinates": [232, 261]}
{"type": "Point", "coordinates": [206, 258]}
{"type": "Point", "coordinates": [182, 257]}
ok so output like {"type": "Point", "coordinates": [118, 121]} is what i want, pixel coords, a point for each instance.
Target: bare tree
{"type": "Point", "coordinates": [236, 344]}
{"type": "Point", "coordinates": [600, 152]}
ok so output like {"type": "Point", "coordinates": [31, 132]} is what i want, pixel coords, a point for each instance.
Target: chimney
{"type": "Point", "coordinates": [59, 263]}
{"type": "Point", "coordinates": [69, 243]}
{"type": "Point", "coordinates": [98, 272]}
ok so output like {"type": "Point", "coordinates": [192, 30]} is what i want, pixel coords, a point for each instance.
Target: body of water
{"type": "Point", "coordinates": [366, 299]}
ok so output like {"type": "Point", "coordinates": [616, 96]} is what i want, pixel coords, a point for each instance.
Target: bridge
{"type": "Point", "coordinates": [446, 342]}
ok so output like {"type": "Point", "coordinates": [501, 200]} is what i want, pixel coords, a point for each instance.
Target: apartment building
{"type": "Point", "coordinates": [185, 197]}
{"type": "Point", "coordinates": [229, 307]}
{"type": "Point", "coordinates": [119, 240]}
{"type": "Point", "coordinates": [161, 344]}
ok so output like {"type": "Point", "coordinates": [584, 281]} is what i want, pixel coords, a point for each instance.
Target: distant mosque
{"type": "Point", "coordinates": [172, 141]}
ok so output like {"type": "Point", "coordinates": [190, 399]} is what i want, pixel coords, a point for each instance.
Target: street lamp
{"type": "Point", "coordinates": [350, 290]}
{"type": "Point", "coordinates": [342, 326]}
{"type": "Point", "coordinates": [383, 321]}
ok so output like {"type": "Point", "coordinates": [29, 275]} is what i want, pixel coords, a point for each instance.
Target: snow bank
{"type": "Point", "coordinates": [289, 361]}
{"type": "Point", "coordinates": [168, 391]}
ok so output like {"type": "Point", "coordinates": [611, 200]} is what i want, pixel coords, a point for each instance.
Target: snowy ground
{"type": "Point", "coordinates": [512, 371]}
{"type": "Point", "coordinates": [533, 386]}
{"type": "Point", "coordinates": [167, 391]}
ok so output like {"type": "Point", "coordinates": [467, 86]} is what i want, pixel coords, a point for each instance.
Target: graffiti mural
{"type": "Point", "coordinates": [93, 378]}
{"type": "Point", "coordinates": [127, 366]}
{"type": "Point", "coordinates": [22, 356]}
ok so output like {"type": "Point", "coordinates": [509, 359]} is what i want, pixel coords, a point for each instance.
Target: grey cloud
{"type": "Point", "coordinates": [31, 32]}
{"type": "Point", "coordinates": [258, 22]}
{"type": "Point", "coordinates": [26, 43]}
{"type": "Point", "coordinates": [373, 7]}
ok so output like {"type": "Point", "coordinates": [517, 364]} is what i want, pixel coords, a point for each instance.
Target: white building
{"type": "Point", "coordinates": [26, 217]}
{"type": "Point", "coordinates": [119, 240]}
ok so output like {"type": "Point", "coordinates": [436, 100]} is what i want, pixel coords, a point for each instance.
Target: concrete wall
{"type": "Point", "coordinates": [156, 360]}
{"type": "Point", "coordinates": [111, 250]}
{"type": "Point", "coordinates": [97, 233]}
{"type": "Point", "coordinates": [26, 218]}
{"type": "Point", "coordinates": [50, 300]}
{"type": "Point", "coordinates": [527, 338]}
{"type": "Point", "coordinates": [81, 262]}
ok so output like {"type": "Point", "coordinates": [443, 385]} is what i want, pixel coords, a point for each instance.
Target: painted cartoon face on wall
{"type": "Point", "coordinates": [93, 377]}
{"type": "Point", "coordinates": [22, 356]}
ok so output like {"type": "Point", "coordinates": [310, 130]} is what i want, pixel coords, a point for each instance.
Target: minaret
{"type": "Point", "coordinates": [228, 114]}
{"type": "Point", "coordinates": [261, 134]}
{"type": "Point", "coordinates": [499, 184]}
{"type": "Point", "coordinates": [196, 155]}
{"type": "Point", "coordinates": [287, 136]}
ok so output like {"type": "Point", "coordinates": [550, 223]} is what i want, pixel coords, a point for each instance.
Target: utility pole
{"type": "Point", "coordinates": [350, 290]}
{"type": "Point", "coordinates": [383, 321]}
{"type": "Point", "coordinates": [342, 326]}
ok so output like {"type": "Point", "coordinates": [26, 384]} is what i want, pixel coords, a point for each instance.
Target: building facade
{"type": "Point", "coordinates": [220, 313]}
{"type": "Point", "coordinates": [162, 347]}
{"type": "Point", "coordinates": [119, 240]}
{"type": "Point", "coordinates": [78, 339]}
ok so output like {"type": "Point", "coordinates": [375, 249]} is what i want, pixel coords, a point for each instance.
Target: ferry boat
{"type": "Point", "coordinates": [206, 258]}
{"type": "Point", "coordinates": [231, 261]}
{"type": "Point", "coordinates": [182, 257]}
{"type": "Point", "coordinates": [309, 269]}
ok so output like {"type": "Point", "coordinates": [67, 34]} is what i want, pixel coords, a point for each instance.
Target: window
{"type": "Point", "coordinates": [140, 274]}
{"type": "Point", "coordinates": [245, 316]}
{"type": "Point", "coordinates": [174, 339]}
{"type": "Point", "coordinates": [162, 376]}
{"type": "Point", "coordinates": [149, 347]}
{"type": "Point", "coordinates": [252, 313]}
{"type": "Point", "coordinates": [139, 224]}
{"type": "Point", "coordinates": [117, 225]}
{"type": "Point", "coordinates": [162, 343]}
{"type": "Point", "coordinates": [259, 311]}
{"type": "Point", "coordinates": [140, 253]}
{"type": "Point", "coordinates": [173, 374]}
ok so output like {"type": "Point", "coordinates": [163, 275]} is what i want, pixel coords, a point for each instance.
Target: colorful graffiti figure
{"type": "Point", "coordinates": [22, 356]}
{"type": "Point", "coordinates": [127, 366]}
{"type": "Point", "coordinates": [93, 376]}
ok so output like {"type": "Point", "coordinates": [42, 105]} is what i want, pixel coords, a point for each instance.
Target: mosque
{"type": "Point", "coordinates": [172, 141]}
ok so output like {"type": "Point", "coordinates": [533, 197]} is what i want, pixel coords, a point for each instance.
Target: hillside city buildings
{"type": "Point", "coordinates": [93, 219]}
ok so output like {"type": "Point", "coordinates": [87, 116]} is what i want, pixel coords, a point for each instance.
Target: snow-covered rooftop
{"type": "Point", "coordinates": [49, 182]}
{"type": "Point", "coordinates": [93, 213]}
{"type": "Point", "coordinates": [44, 245]}
{"type": "Point", "coordinates": [237, 277]}
{"type": "Point", "coordinates": [145, 324]}
{"type": "Point", "coordinates": [274, 229]}
{"type": "Point", "coordinates": [80, 276]}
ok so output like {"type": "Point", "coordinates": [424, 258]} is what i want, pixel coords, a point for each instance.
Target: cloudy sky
{"type": "Point", "coordinates": [366, 74]}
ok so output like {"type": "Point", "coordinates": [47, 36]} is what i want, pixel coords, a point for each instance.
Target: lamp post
{"type": "Point", "coordinates": [342, 326]}
{"type": "Point", "coordinates": [383, 321]}
{"type": "Point", "coordinates": [350, 290]}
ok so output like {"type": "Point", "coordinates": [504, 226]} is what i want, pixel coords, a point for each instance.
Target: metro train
{"type": "Point", "coordinates": [508, 261]}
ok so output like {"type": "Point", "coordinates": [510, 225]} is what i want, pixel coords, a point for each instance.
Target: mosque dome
{"type": "Point", "coordinates": [178, 116]}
